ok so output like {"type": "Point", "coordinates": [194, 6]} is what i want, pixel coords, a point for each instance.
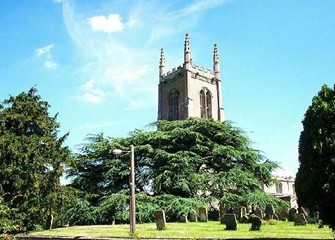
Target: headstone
{"type": "Point", "coordinates": [243, 211]}
{"type": "Point", "coordinates": [256, 222]}
{"type": "Point", "coordinates": [253, 208]}
{"type": "Point", "coordinates": [160, 219]}
{"type": "Point", "coordinates": [50, 220]}
{"type": "Point", "coordinates": [231, 222]}
{"type": "Point", "coordinates": [183, 218]}
{"type": "Point", "coordinates": [282, 215]}
{"type": "Point", "coordinates": [269, 211]}
{"type": "Point", "coordinates": [299, 219]}
{"type": "Point", "coordinates": [203, 214]}
{"type": "Point", "coordinates": [291, 214]}
{"type": "Point", "coordinates": [258, 212]}
{"type": "Point", "coordinates": [230, 210]}
{"type": "Point", "coordinates": [192, 216]}
{"type": "Point", "coordinates": [302, 210]}
{"type": "Point", "coordinates": [249, 209]}
{"type": "Point", "coordinates": [237, 212]}
{"type": "Point", "coordinates": [244, 217]}
{"type": "Point", "coordinates": [314, 218]}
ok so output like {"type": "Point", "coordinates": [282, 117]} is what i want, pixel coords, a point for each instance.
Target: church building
{"type": "Point", "coordinates": [190, 90]}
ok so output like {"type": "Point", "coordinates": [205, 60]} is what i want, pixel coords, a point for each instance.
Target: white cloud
{"type": "Point", "coordinates": [91, 94]}
{"type": "Point", "coordinates": [109, 24]}
{"type": "Point", "coordinates": [44, 51]}
{"type": "Point", "coordinates": [202, 5]}
{"type": "Point", "coordinates": [89, 98]}
{"type": "Point", "coordinates": [46, 55]}
{"type": "Point", "coordinates": [50, 65]}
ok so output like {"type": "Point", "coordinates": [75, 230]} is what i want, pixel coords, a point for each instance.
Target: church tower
{"type": "Point", "coordinates": [190, 90]}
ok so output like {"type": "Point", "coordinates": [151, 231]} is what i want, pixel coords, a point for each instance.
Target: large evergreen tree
{"type": "Point", "coordinates": [315, 181]}
{"type": "Point", "coordinates": [184, 158]}
{"type": "Point", "coordinates": [31, 159]}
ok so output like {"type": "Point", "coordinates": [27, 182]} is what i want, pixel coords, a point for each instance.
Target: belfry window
{"type": "Point", "coordinates": [205, 104]}
{"type": "Point", "coordinates": [174, 105]}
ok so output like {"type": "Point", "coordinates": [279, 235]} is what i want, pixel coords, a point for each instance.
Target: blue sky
{"type": "Point", "coordinates": [96, 62]}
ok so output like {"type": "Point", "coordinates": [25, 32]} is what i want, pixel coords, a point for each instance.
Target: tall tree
{"type": "Point", "coordinates": [31, 158]}
{"type": "Point", "coordinates": [315, 181]}
{"type": "Point", "coordinates": [184, 158]}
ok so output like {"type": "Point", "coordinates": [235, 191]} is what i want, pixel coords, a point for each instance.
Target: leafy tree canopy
{"type": "Point", "coordinates": [315, 181]}
{"type": "Point", "coordinates": [31, 159]}
{"type": "Point", "coordinates": [188, 158]}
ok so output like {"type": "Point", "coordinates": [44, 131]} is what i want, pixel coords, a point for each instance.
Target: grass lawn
{"type": "Point", "coordinates": [196, 230]}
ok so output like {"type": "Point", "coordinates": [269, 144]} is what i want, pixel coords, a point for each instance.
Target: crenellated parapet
{"type": "Point", "coordinates": [190, 90]}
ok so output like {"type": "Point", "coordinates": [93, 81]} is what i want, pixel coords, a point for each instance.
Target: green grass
{"type": "Point", "coordinates": [195, 230]}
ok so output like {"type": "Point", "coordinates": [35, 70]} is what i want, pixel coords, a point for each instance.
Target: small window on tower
{"type": "Point", "coordinates": [174, 105]}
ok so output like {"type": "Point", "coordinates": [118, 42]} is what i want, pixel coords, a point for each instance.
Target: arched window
{"type": "Point", "coordinates": [174, 105]}
{"type": "Point", "coordinates": [206, 104]}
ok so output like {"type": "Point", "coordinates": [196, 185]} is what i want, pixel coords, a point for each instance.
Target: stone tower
{"type": "Point", "coordinates": [190, 90]}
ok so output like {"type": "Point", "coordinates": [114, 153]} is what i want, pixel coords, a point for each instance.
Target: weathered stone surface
{"type": "Point", "coordinates": [230, 221]}
{"type": "Point", "coordinates": [50, 220]}
{"type": "Point", "coordinates": [243, 211]}
{"type": "Point", "coordinates": [302, 210]}
{"type": "Point", "coordinates": [192, 216]}
{"type": "Point", "coordinates": [203, 214]}
{"type": "Point", "coordinates": [160, 219]}
{"type": "Point", "coordinates": [183, 218]}
{"type": "Point", "coordinates": [256, 222]}
{"type": "Point", "coordinates": [282, 215]}
{"type": "Point", "coordinates": [258, 212]}
{"type": "Point", "coordinates": [299, 219]}
{"type": "Point", "coordinates": [291, 214]}
{"type": "Point", "coordinates": [237, 212]}
{"type": "Point", "coordinates": [269, 211]}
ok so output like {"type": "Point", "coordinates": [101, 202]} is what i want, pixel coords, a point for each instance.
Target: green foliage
{"type": "Point", "coordinates": [31, 159]}
{"type": "Point", "coordinates": [81, 212]}
{"type": "Point", "coordinates": [175, 206]}
{"type": "Point", "coordinates": [7, 224]}
{"type": "Point", "coordinates": [115, 208]}
{"type": "Point", "coordinates": [182, 158]}
{"type": "Point", "coordinates": [176, 165]}
{"type": "Point", "coordinates": [261, 199]}
{"type": "Point", "coordinates": [315, 181]}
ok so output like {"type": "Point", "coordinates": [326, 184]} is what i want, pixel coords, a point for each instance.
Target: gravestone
{"type": "Point", "coordinates": [282, 215]}
{"type": "Point", "coordinates": [291, 214]}
{"type": "Point", "coordinates": [256, 222]}
{"type": "Point", "coordinates": [302, 210]}
{"type": "Point", "coordinates": [230, 221]}
{"type": "Point", "coordinates": [299, 219]}
{"type": "Point", "coordinates": [183, 218]}
{"type": "Point", "coordinates": [237, 212]}
{"type": "Point", "coordinates": [244, 217]}
{"type": "Point", "coordinates": [269, 211]}
{"type": "Point", "coordinates": [50, 220]}
{"type": "Point", "coordinates": [192, 216]}
{"type": "Point", "coordinates": [203, 214]}
{"type": "Point", "coordinates": [160, 219]}
{"type": "Point", "coordinates": [258, 212]}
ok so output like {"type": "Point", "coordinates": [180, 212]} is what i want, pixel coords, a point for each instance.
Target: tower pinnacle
{"type": "Point", "coordinates": [216, 66]}
{"type": "Point", "coordinates": [162, 64]}
{"type": "Point", "coordinates": [187, 51]}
